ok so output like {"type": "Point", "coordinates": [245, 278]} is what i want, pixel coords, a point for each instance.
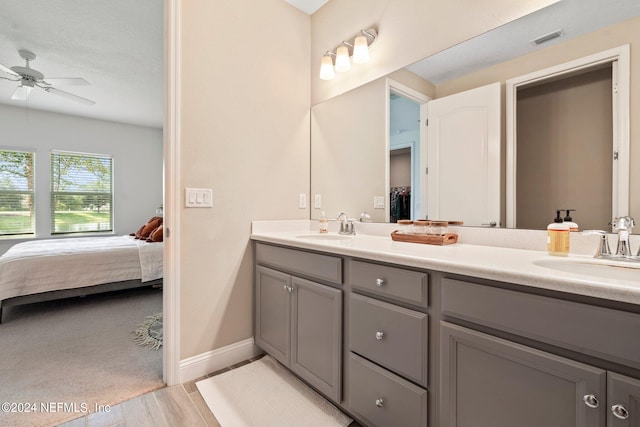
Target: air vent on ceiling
{"type": "Point", "coordinates": [547, 37]}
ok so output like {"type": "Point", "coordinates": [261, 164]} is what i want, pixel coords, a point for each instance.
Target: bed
{"type": "Point", "coordinates": [43, 270]}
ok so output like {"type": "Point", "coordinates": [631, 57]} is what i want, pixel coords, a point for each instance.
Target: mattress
{"type": "Point", "coordinates": [54, 264]}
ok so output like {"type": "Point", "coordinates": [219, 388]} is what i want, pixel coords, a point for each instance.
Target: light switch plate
{"type": "Point", "coordinates": [302, 202]}
{"type": "Point", "coordinates": [378, 202]}
{"type": "Point", "coordinates": [198, 197]}
{"type": "Point", "coordinates": [317, 201]}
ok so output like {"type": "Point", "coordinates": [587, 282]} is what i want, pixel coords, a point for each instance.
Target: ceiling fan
{"type": "Point", "coordinates": [30, 78]}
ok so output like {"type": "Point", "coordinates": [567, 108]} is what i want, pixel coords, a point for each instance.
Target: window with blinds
{"type": "Point", "coordinates": [17, 194]}
{"type": "Point", "coordinates": [81, 193]}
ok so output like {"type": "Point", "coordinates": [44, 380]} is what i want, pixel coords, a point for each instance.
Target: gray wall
{"type": "Point", "coordinates": [136, 151]}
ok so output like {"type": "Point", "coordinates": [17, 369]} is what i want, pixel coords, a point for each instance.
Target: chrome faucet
{"type": "Point", "coordinates": [346, 225]}
{"type": "Point", "coordinates": [624, 225]}
{"type": "Point", "coordinates": [603, 248]}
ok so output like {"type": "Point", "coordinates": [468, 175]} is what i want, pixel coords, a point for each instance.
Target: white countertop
{"type": "Point", "coordinates": [588, 276]}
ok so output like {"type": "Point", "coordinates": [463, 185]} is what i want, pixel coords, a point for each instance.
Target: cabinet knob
{"type": "Point", "coordinates": [379, 282]}
{"type": "Point", "coordinates": [379, 402]}
{"type": "Point", "coordinates": [379, 335]}
{"type": "Point", "coordinates": [591, 401]}
{"type": "Point", "coordinates": [620, 412]}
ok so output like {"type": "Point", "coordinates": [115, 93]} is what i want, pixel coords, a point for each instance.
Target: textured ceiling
{"type": "Point", "coordinates": [117, 45]}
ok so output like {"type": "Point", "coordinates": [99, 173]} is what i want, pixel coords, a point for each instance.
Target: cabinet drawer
{"type": "Point", "coordinates": [601, 332]}
{"type": "Point", "coordinates": [381, 398]}
{"type": "Point", "coordinates": [396, 283]}
{"type": "Point", "coordinates": [394, 337]}
{"type": "Point", "coordinates": [323, 267]}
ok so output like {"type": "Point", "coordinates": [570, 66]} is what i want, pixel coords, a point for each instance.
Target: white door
{"type": "Point", "coordinates": [463, 157]}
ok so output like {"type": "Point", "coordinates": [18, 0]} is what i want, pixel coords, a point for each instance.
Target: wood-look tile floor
{"type": "Point", "coordinates": [178, 405]}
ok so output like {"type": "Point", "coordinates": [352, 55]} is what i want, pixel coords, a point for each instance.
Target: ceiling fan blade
{"type": "Point", "coordinates": [8, 70]}
{"type": "Point", "coordinates": [68, 95]}
{"type": "Point", "coordinates": [67, 81]}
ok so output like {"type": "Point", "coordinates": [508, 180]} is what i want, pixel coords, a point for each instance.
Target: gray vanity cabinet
{"type": "Point", "coordinates": [299, 321]}
{"type": "Point", "coordinates": [491, 382]}
{"type": "Point", "coordinates": [623, 401]}
{"type": "Point", "coordinates": [388, 345]}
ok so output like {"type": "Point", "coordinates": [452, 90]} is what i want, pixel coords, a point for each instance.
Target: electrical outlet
{"type": "Point", "coordinates": [302, 202]}
{"type": "Point", "coordinates": [317, 201]}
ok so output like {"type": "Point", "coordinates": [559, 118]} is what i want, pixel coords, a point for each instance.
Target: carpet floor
{"type": "Point", "coordinates": [60, 359]}
{"type": "Point", "coordinates": [265, 394]}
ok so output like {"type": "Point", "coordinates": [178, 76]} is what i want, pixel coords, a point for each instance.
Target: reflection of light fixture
{"type": "Point", "coordinates": [357, 47]}
{"type": "Point", "coordinates": [23, 90]}
{"type": "Point", "coordinates": [326, 67]}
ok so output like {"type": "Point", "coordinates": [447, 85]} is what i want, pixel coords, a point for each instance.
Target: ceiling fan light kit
{"type": "Point", "coordinates": [30, 78]}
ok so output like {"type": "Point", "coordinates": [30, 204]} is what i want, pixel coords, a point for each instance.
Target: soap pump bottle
{"type": "Point", "coordinates": [323, 223]}
{"type": "Point", "coordinates": [569, 221]}
{"type": "Point", "coordinates": [558, 237]}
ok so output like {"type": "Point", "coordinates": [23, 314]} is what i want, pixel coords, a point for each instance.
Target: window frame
{"type": "Point", "coordinates": [31, 193]}
{"type": "Point", "coordinates": [53, 194]}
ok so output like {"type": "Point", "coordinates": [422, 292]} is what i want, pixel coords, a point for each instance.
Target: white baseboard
{"type": "Point", "coordinates": [214, 360]}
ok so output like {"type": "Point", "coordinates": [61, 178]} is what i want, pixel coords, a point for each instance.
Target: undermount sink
{"type": "Point", "coordinates": [325, 236]}
{"type": "Point", "coordinates": [617, 270]}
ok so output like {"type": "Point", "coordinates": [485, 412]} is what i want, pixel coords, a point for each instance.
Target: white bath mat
{"type": "Point", "coordinates": [263, 393]}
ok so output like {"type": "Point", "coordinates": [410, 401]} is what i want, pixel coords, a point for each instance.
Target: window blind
{"type": "Point", "coordinates": [81, 193]}
{"type": "Point", "coordinates": [17, 215]}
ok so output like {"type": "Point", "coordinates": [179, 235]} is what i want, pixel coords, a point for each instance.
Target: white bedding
{"type": "Point", "coordinates": [54, 264]}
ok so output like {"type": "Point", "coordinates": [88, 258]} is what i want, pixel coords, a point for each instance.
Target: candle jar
{"type": "Point", "coordinates": [405, 226]}
{"type": "Point", "coordinates": [421, 226]}
{"type": "Point", "coordinates": [439, 228]}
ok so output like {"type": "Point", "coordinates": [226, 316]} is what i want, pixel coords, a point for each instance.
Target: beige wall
{"type": "Point", "coordinates": [564, 151]}
{"type": "Point", "coordinates": [247, 69]}
{"type": "Point", "coordinates": [348, 131]}
{"type": "Point", "coordinates": [409, 30]}
{"type": "Point", "coordinates": [245, 133]}
{"type": "Point", "coordinates": [627, 32]}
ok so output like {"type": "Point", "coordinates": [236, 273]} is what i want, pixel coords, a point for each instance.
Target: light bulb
{"type": "Point", "coordinates": [360, 50]}
{"type": "Point", "coordinates": [326, 68]}
{"type": "Point", "coordinates": [342, 59]}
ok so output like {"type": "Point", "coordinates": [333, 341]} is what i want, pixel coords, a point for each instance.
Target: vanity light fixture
{"type": "Point", "coordinates": [326, 67]}
{"type": "Point", "coordinates": [343, 63]}
{"type": "Point", "coordinates": [357, 48]}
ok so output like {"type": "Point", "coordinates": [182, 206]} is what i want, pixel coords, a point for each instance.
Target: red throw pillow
{"type": "Point", "coordinates": [157, 234]}
{"type": "Point", "coordinates": [146, 229]}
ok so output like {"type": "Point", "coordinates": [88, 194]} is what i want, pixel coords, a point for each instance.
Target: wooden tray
{"type": "Point", "coordinates": [445, 239]}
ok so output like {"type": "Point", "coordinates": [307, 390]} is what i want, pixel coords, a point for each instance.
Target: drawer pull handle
{"type": "Point", "coordinates": [379, 335]}
{"type": "Point", "coordinates": [379, 402]}
{"type": "Point", "coordinates": [591, 401]}
{"type": "Point", "coordinates": [620, 412]}
{"type": "Point", "coordinates": [379, 282]}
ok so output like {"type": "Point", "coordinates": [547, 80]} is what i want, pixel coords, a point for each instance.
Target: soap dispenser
{"type": "Point", "coordinates": [323, 223]}
{"type": "Point", "coordinates": [558, 236]}
{"type": "Point", "coordinates": [569, 221]}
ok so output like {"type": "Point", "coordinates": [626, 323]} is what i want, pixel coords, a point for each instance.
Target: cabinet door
{"type": "Point", "coordinates": [623, 401]}
{"type": "Point", "coordinates": [273, 313]}
{"type": "Point", "coordinates": [316, 336]}
{"type": "Point", "coordinates": [491, 382]}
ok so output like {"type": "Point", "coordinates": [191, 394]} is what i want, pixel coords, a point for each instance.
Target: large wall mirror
{"type": "Point", "coordinates": [372, 151]}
